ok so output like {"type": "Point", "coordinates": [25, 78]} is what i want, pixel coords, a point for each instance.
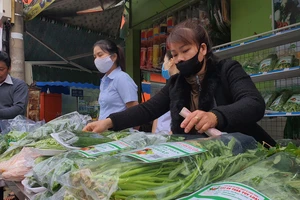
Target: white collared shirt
{"type": "Point", "coordinates": [8, 80]}
{"type": "Point", "coordinates": [116, 90]}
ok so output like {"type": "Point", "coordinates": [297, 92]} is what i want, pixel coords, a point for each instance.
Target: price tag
{"type": "Point", "coordinates": [242, 43]}
{"type": "Point", "coordinates": [286, 69]}
{"type": "Point", "coordinates": [288, 114]}
{"type": "Point", "coordinates": [264, 73]}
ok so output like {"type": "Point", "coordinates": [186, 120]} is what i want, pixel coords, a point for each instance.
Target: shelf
{"type": "Point", "coordinates": [276, 74]}
{"type": "Point", "coordinates": [270, 39]}
{"type": "Point", "coordinates": [282, 114]}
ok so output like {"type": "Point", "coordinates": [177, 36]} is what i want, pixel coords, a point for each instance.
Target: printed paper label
{"type": "Point", "coordinates": [105, 148]}
{"type": "Point", "coordinates": [165, 151]}
{"type": "Point", "coordinates": [295, 99]}
{"type": "Point", "coordinates": [284, 60]}
{"type": "Point", "coordinates": [226, 191]}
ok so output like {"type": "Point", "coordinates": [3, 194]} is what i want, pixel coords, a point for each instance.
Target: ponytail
{"type": "Point", "coordinates": [121, 59]}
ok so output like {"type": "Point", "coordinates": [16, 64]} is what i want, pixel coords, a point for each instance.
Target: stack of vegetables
{"type": "Point", "coordinates": [276, 177]}
{"type": "Point", "coordinates": [121, 177]}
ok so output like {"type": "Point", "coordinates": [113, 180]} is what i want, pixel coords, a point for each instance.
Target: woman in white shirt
{"type": "Point", "coordinates": [117, 89]}
{"type": "Point", "coordinates": [163, 123]}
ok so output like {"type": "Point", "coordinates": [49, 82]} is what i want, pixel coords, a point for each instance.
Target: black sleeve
{"type": "Point", "coordinates": [142, 113]}
{"type": "Point", "coordinates": [248, 106]}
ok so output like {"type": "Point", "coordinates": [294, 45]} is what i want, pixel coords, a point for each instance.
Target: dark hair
{"type": "Point", "coordinates": [169, 55]}
{"type": "Point", "coordinates": [4, 57]}
{"type": "Point", "coordinates": [111, 48]}
{"type": "Point", "coordinates": [190, 31]}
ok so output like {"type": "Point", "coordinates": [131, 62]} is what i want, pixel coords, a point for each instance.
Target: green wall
{"type": "Point", "coordinates": [249, 16]}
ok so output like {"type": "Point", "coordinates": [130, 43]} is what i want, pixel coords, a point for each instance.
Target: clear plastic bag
{"type": "Point", "coordinates": [15, 168]}
{"type": "Point", "coordinates": [121, 177]}
{"type": "Point", "coordinates": [49, 172]}
{"type": "Point", "coordinates": [19, 123]}
{"type": "Point", "coordinates": [276, 177]}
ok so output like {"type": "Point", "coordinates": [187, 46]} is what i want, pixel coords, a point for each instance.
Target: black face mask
{"type": "Point", "coordinates": [191, 66]}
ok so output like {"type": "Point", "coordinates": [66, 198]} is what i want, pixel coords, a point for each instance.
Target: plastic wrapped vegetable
{"type": "Point", "coordinates": [15, 168]}
{"type": "Point", "coordinates": [269, 98]}
{"type": "Point", "coordinates": [279, 102]}
{"type": "Point", "coordinates": [268, 64]}
{"type": "Point", "coordinates": [19, 123]}
{"type": "Point", "coordinates": [49, 171]}
{"type": "Point", "coordinates": [250, 67]}
{"type": "Point", "coordinates": [292, 104]}
{"type": "Point", "coordinates": [286, 62]}
{"type": "Point", "coordinates": [274, 178]}
{"type": "Point", "coordinates": [121, 177]}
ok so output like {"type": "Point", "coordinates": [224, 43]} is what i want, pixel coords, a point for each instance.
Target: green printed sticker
{"type": "Point", "coordinates": [165, 151]}
{"type": "Point", "coordinates": [226, 191]}
{"type": "Point", "coordinates": [105, 148]}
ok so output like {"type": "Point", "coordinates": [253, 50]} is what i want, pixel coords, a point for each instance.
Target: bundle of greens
{"type": "Point", "coordinates": [48, 143]}
{"type": "Point", "coordinates": [279, 102]}
{"type": "Point", "coordinates": [121, 177]}
{"type": "Point", "coordinates": [286, 62]}
{"type": "Point", "coordinates": [268, 64]}
{"type": "Point", "coordinates": [292, 104]}
{"type": "Point", "coordinates": [48, 172]}
{"type": "Point", "coordinates": [269, 98]}
{"type": "Point", "coordinates": [277, 177]}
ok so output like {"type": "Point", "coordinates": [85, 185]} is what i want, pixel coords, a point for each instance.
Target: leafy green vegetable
{"type": "Point", "coordinates": [279, 102]}
{"type": "Point", "coordinates": [87, 141]}
{"type": "Point", "coordinates": [169, 179]}
{"type": "Point", "coordinates": [268, 64]}
{"type": "Point", "coordinates": [14, 136]}
{"type": "Point", "coordinates": [48, 143]}
{"type": "Point", "coordinates": [292, 104]}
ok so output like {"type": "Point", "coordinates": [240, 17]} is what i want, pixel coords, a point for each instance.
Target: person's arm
{"type": "Point", "coordinates": [131, 103]}
{"type": "Point", "coordinates": [142, 113]}
{"type": "Point", "coordinates": [20, 98]}
{"type": "Point", "coordinates": [154, 125]}
{"type": "Point", "coordinates": [248, 106]}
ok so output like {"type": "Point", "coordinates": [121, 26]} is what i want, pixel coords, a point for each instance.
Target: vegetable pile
{"type": "Point", "coordinates": [120, 177]}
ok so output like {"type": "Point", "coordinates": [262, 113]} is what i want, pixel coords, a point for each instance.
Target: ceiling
{"type": "Point", "coordinates": [62, 35]}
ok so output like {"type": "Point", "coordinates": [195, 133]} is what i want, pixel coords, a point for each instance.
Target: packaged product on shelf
{"type": "Point", "coordinates": [124, 177]}
{"type": "Point", "coordinates": [143, 52]}
{"type": "Point", "coordinates": [268, 63]}
{"type": "Point", "coordinates": [170, 23]}
{"type": "Point", "coordinates": [162, 45]}
{"type": "Point", "coordinates": [156, 43]}
{"type": "Point", "coordinates": [279, 102]}
{"type": "Point", "coordinates": [149, 48]}
{"type": "Point", "coordinates": [250, 67]}
{"type": "Point", "coordinates": [286, 62]}
{"type": "Point", "coordinates": [269, 98]}
{"type": "Point", "coordinates": [274, 178]}
{"type": "Point", "coordinates": [292, 104]}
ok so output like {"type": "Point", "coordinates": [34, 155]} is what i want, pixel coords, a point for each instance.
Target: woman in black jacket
{"type": "Point", "coordinates": [218, 92]}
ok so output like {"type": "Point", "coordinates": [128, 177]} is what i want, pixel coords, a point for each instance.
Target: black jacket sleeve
{"type": "Point", "coordinates": [247, 105]}
{"type": "Point", "coordinates": [142, 113]}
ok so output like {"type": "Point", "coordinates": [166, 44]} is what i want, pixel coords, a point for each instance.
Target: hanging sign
{"type": "Point", "coordinates": [77, 93]}
{"type": "Point", "coordinates": [34, 7]}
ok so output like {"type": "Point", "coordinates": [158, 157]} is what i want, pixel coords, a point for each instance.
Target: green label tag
{"type": "Point", "coordinates": [165, 151]}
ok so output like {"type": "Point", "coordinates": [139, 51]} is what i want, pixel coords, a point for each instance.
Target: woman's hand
{"type": "Point", "coordinates": [99, 126]}
{"type": "Point", "coordinates": [201, 120]}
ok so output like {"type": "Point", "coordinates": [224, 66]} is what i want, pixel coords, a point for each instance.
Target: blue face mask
{"type": "Point", "coordinates": [165, 73]}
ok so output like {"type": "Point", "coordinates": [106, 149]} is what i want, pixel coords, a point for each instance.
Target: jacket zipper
{"type": "Point", "coordinates": [198, 83]}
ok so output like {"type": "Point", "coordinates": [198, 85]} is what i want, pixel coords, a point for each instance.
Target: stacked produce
{"type": "Point", "coordinates": [48, 172]}
{"type": "Point", "coordinates": [122, 177]}
{"type": "Point", "coordinates": [276, 177]}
